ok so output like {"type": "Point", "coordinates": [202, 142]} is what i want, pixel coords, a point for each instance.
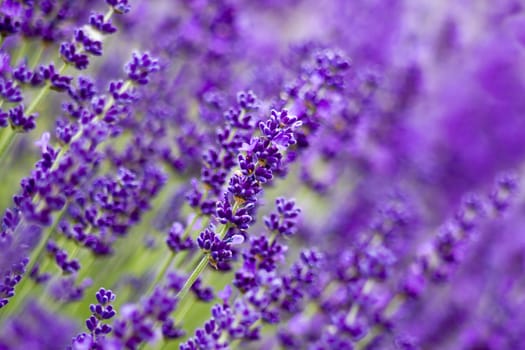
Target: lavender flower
{"type": "Point", "coordinates": [274, 174]}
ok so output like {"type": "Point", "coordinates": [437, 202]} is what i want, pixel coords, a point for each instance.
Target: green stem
{"type": "Point", "coordinates": [41, 245]}
{"type": "Point", "coordinates": [238, 341]}
{"type": "Point", "coordinates": [108, 14]}
{"type": "Point", "coordinates": [43, 92]}
{"type": "Point", "coordinates": [193, 277]}
{"type": "Point", "coordinates": [24, 287]}
{"type": "Point", "coordinates": [161, 272]}
{"type": "Point", "coordinates": [363, 343]}
{"type": "Point", "coordinates": [274, 236]}
{"type": "Point", "coordinates": [6, 139]}
{"type": "Point", "coordinates": [24, 283]}
{"type": "Point", "coordinates": [36, 57]}
{"type": "Point", "coordinates": [221, 234]}
{"type": "Point", "coordinates": [19, 54]}
{"type": "Point", "coordinates": [181, 258]}
{"type": "Point", "coordinates": [169, 261]}
{"type": "Point", "coordinates": [47, 87]}
{"type": "Point", "coordinates": [185, 309]}
{"type": "Point", "coordinates": [393, 306]}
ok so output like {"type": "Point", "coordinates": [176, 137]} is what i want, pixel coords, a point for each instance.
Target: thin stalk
{"type": "Point", "coordinates": [47, 87]}
{"type": "Point", "coordinates": [394, 304]}
{"type": "Point", "coordinates": [172, 256]}
{"type": "Point", "coordinates": [108, 14]}
{"type": "Point", "coordinates": [36, 57]}
{"type": "Point", "coordinates": [26, 280]}
{"type": "Point", "coordinates": [41, 245]}
{"type": "Point", "coordinates": [19, 54]}
{"type": "Point", "coordinates": [238, 341]}
{"type": "Point", "coordinates": [193, 277]}
{"type": "Point", "coordinates": [6, 139]}
{"type": "Point", "coordinates": [354, 310]}
{"type": "Point", "coordinates": [43, 92]}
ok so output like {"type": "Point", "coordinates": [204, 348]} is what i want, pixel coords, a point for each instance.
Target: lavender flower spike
{"type": "Point", "coordinates": [277, 174]}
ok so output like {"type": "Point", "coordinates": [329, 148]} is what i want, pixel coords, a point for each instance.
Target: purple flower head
{"type": "Point", "coordinates": [96, 20]}
{"type": "Point", "coordinates": [376, 262]}
{"type": "Point", "coordinates": [84, 91]}
{"type": "Point", "coordinates": [170, 331]}
{"type": "Point", "coordinates": [505, 189]}
{"type": "Point", "coordinates": [104, 296]}
{"type": "Point", "coordinates": [470, 213]}
{"type": "Point", "coordinates": [19, 121]}
{"type": "Point", "coordinates": [88, 42]}
{"type": "Point", "coordinates": [284, 221]}
{"type": "Point", "coordinates": [241, 116]}
{"type": "Point", "coordinates": [140, 67]}
{"type": "Point", "coordinates": [331, 66]}
{"type": "Point", "coordinates": [58, 82]}
{"type": "Point", "coordinates": [9, 91]}
{"type": "Point", "coordinates": [244, 189]}
{"type": "Point", "coordinates": [11, 13]}
{"type": "Point", "coordinates": [448, 245]}
{"type": "Point", "coordinates": [266, 255]}
{"type": "Point", "coordinates": [100, 312]}
{"type": "Point", "coordinates": [247, 100]}
{"type": "Point", "coordinates": [82, 341]}
{"type": "Point", "coordinates": [120, 6]}
{"type": "Point", "coordinates": [239, 218]}
{"type": "Point", "coordinates": [176, 241]}
{"type": "Point", "coordinates": [203, 293]}
{"type": "Point", "coordinates": [280, 128]}
{"type": "Point", "coordinates": [72, 55]}
{"type": "Point", "coordinates": [219, 250]}
{"type": "Point", "coordinates": [4, 119]}
{"type": "Point", "coordinates": [23, 74]}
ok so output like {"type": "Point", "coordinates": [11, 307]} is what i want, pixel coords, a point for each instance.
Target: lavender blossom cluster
{"type": "Point", "coordinates": [266, 174]}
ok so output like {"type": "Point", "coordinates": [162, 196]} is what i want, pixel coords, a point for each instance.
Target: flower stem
{"type": "Point", "coordinates": [7, 142]}
{"type": "Point", "coordinates": [41, 245]}
{"type": "Point", "coordinates": [20, 52]}
{"type": "Point", "coordinates": [193, 277]}
{"type": "Point", "coordinates": [23, 285]}
{"type": "Point", "coordinates": [169, 261]}
{"type": "Point", "coordinates": [394, 304]}
{"type": "Point", "coordinates": [36, 57]}
{"type": "Point", "coordinates": [43, 92]}
{"type": "Point", "coordinates": [6, 139]}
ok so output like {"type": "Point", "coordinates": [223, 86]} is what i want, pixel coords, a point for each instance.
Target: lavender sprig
{"type": "Point", "coordinates": [256, 180]}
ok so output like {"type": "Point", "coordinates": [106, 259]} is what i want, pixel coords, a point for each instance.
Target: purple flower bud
{"type": "Point", "coordinates": [71, 55]}
{"type": "Point", "coordinates": [140, 67]}
{"type": "Point", "coordinates": [218, 250]}
{"type": "Point", "coordinates": [9, 91]}
{"type": "Point", "coordinates": [19, 121]}
{"type": "Point", "coordinates": [96, 20]}
{"type": "Point", "coordinates": [175, 241]}
{"type": "Point", "coordinates": [120, 6]}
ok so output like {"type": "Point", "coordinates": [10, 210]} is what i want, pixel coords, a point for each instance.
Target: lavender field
{"type": "Point", "coordinates": [262, 174]}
